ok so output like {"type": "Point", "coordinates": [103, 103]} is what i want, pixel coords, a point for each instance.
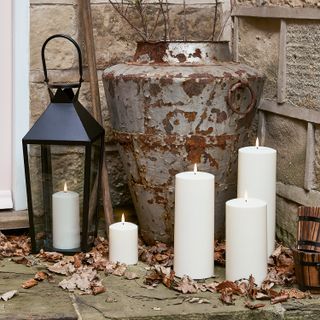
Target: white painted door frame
{"type": "Point", "coordinates": [14, 95]}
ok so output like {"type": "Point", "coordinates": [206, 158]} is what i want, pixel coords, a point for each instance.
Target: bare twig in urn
{"type": "Point", "coordinates": [164, 20]}
{"type": "Point", "coordinates": [168, 19]}
{"type": "Point", "coordinates": [214, 20]}
{"type": "Point", "coordinates": [123, 14]}
{"type": "Point", "coordinates": [184, 21]}
{"type": "Point", "coordinates": [138, 4]}
{"type": "Point", "coordinates": [224, 25]}
{"type": "Point", "coordinates": [155, 25]}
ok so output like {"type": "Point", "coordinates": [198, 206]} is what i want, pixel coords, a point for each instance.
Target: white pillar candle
{"type": "Point", "coordinates": [123, 242]}
{"type": "Point", "coordinates": [246, 239]}
{"type": "Point", "coordinates": [257, 177]}
{"type": "Point", "coordinates": [65, 220]}
{"type": "Point", "coordinates": [194, 225]}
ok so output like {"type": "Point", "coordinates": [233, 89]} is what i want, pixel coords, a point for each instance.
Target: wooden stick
{"type": "Point", "coordinates": [282, 64]}
{"type": "Point", "coordinates": [86, 20]}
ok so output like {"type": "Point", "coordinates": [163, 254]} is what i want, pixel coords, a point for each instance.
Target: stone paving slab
{"type": "Point", "coordinates": [44, 301]}
{"type": "Point", "coordinates": [129, 300]}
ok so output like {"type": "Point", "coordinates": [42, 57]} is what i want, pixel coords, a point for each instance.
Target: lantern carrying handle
{"type": "Point", "coordinates": [46, 79]}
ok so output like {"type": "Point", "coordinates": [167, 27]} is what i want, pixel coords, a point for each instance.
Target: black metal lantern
{"type": "Point", "coordinates": [63, 149]}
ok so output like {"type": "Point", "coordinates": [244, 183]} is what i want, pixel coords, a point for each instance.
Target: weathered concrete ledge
{"type": "Point", "coordinates": [129, 299]}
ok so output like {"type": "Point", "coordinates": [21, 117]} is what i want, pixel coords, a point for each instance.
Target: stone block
{"type": "Point", "coordinates": [46, 20]}
{"type": "Point", "coordinates": [258, 47]}
{"type": "Point", "coordinates": [39, 100]}
{"type": "Point", "coordinates": [114, 39]}
{"type": "Point", "coordinates": [303, 64]}
{"type": "Point", "coordinates": [288, 137]}
{"type": "Point", "coordinates": [286, 221]}
{"type": "Point", "coordinates": [287, 3]}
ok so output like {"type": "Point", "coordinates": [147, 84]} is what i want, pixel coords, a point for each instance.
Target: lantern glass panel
{"type": "Point", "coordinates": [58, 218]}
{"type": "Point", "coordinates": [95, 179]}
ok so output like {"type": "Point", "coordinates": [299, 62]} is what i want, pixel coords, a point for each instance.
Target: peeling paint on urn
{"type": "Point", "coordinates": [168, 114]}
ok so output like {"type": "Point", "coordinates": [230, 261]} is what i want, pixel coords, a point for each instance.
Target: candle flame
{"type": "Point", "coordinates": [123, 218]}
{"type": "Point", "coordinates": [65, 188]}
{"type": "Point", "coordinates": [246, 196]}
{"type": "Point", "coordinates": [195, 168]}
{"type": "Point", "coordinates": [257, 142]}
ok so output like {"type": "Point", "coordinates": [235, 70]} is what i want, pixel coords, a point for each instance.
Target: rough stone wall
{"type": "Point", "coordinates": [259, 47]}
{"type": "Point", "coordinates": [114, 43]}
{"type": "Point", "coordinates": [283, 3]}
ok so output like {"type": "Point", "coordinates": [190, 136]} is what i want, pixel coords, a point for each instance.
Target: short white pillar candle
{"type": "Point", "coordinates": [123, 242]}
{"type": "Point", "coordinates": [246, 239]}
{"type": "Point", "coordinates": [65, 220]}
{"type": "Point", "coordinates": [194, 225]}
{"type": "Point", "coordinates": [257, 177]}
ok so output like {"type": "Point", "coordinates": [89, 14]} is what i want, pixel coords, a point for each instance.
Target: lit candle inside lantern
{"type": "Point", "coordinates": [194, 224]}
{"type": "Point", "coordinates": [257, 175]}
{"type": "Point", "coordinates": [65, 220]}
{"type": "Point", "coordinates": [123, 242]}
{"type": "Point", "coordinates": [246, 239]}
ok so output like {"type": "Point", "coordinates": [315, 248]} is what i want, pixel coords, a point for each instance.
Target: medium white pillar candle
{"type": "Point", "coordinates": [123, 242]}
{"type": "Point", "coordinates": [246, 239]}
{"type": "Point", "coordinates": [257, 177]}
{"type": "Point", "coordinates": [65, 220]}
{"type": "Point", "coordinates": [194, 225]}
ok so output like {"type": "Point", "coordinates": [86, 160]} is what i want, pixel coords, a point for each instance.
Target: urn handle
{"type": "Point", "coordinates": [230, 98]}
{"type": "Point", "coordinates": [46, 79]}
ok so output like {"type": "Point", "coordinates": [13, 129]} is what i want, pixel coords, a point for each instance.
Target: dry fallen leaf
{"type": "Point", "coordinates": [62, 267]}
{"type": "Point", "coordinates": [8, 295]}
{"type": "Point", "coordinates": [84, 279]}
{"type": "Point", "coordinates": [130, 275]}
{"type": "Point", "coordinates": [153, 278]}
{"type": "Point", "coordinates": [23, 260]}
{"type": "Point", "coordinates": [14, 246]}
{"type": "Point", "coordinates": [251, 289]}
{"type": "Point", "coordinates": [186, 285]}
{"type": "Point", "coordinates": [262, 296]}
{"type": "Point", "coordinates": [77, 262]}
{"type": "Point", "coordinates": [29, 283]}
{"type": "Point", "coordinates": [281, 298]}
{"type": "Point", "coordinates": [98, 290]}
{"type": "Point", "coordinates": [197, 300]}
{"type": "Point", "coordinates": [226, 296]}
{"type": "Point", "coordinates": [253, 306]}
{"type": "Point", "coordinates": [40, 276]}
{"type": "Point", "coordinates": [109, 268]}
{"type": "Point", "coordinates": [211, 287]}
{"type": "Point", "coordinates": [119, 270]}
{"type": "Point", "coordinates": [219, 252]}
{"type": "Point", "coordinates": [230, 286]}
{"type": "Point", "coordinates": [50, 256]}
{"type": "Point", "coordinates": [295, 293]}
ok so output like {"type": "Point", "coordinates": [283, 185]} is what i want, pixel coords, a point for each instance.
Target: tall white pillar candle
{"type": "Point", "coordinates": [194, 225]}
{"type": "Point", "coordinates": [246, 239]}
{"type": "Point", "coordinates": [65, 220]}
{"type": "Point", "coordinates": [257, 177]}
{"type": "Point", "coordinates": [123, 242]}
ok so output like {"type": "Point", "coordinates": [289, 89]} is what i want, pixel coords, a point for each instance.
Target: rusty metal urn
{"type": "Point", "coordinates": [176, 104]}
